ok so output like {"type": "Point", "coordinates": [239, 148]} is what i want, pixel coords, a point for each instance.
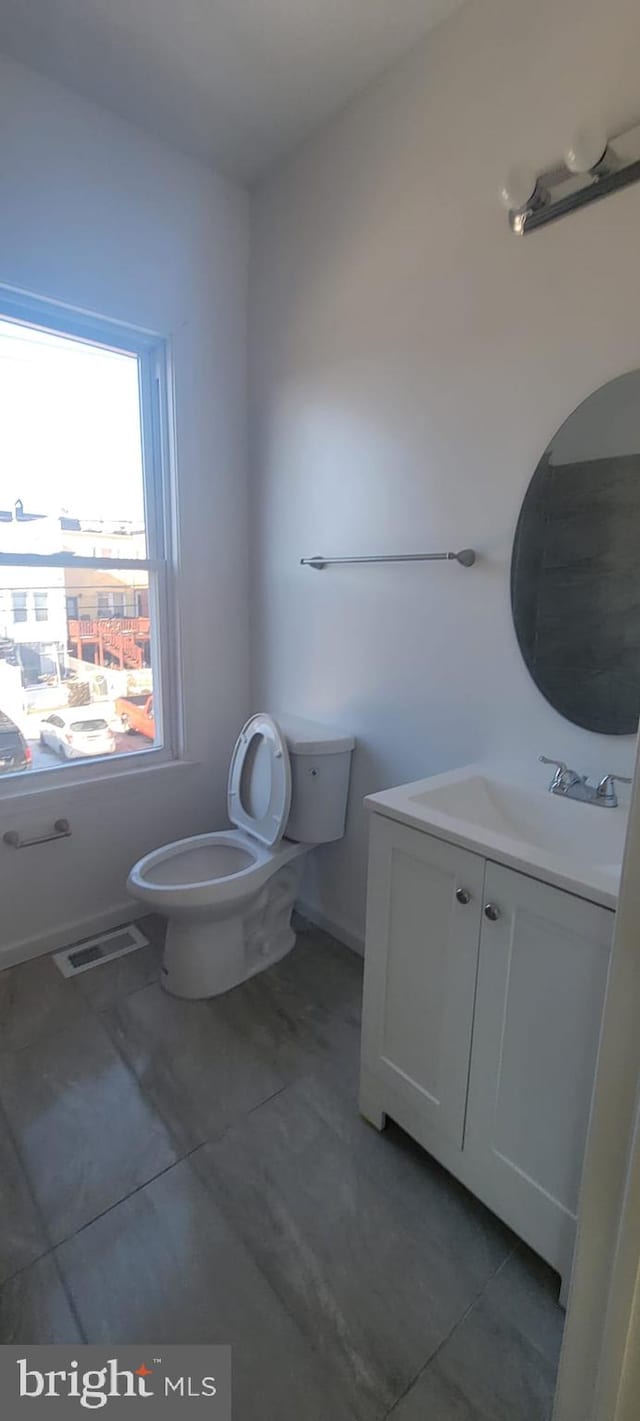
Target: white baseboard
{"type": "Point", "coordinates": [337, 930]}
{"type": "Point", "coordinates": [69, 933]}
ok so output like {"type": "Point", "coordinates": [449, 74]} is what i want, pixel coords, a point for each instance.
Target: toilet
{"type": "Point", "coordinates": [228, 896]}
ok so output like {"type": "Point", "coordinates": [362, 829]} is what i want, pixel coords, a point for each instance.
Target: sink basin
{"type": "Point", "coordinates": [572, 845]}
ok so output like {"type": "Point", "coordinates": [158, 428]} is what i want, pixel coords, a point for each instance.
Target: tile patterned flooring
{"type": "Point", "coordinates": [199, 1172]}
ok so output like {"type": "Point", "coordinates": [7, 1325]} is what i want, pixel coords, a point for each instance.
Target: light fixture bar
{"type": "Point", "coordinates": [593, 191]}
{"type": "Point", "coordinates": [594, 167]}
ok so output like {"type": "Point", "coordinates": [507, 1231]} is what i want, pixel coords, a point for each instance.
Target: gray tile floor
{"type": "Point", "coordinates": [198, 1172]}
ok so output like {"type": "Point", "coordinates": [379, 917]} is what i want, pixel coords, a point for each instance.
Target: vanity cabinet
{"type": "Point", "coordinates": [420, 971]}
{"type": "Point", "coordinates": [483, 997]}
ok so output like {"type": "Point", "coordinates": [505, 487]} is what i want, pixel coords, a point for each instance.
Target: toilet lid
{"type": "Point", "coordinates": [259, 789]}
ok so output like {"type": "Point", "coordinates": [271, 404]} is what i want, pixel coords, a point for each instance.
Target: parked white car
{"type": "Point", "coordinates": [73, 733]}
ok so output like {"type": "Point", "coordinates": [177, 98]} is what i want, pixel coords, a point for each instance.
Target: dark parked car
{"type": "Point", "coordinates": [15, 754]}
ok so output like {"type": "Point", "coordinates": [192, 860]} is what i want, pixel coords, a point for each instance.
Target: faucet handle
{"type": "Point", "coordinates": [606, 789]}
{"type": "Point", "coordinates": [564, 778]}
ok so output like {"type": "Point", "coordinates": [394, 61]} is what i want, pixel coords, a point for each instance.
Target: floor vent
{"type": "Point", "coordinates": [72, 960]}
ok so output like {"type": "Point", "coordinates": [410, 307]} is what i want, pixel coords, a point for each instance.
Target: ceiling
{"type": "Point", "coordinates": [237, 83]}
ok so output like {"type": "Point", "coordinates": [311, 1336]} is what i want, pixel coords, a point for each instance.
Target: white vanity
{"type": "Point", "coordinates": [490, 919]}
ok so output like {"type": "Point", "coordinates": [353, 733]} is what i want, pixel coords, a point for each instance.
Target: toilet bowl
{"type": "Point", "coordinates": [228, 895]}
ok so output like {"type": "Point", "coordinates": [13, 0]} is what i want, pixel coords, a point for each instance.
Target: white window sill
{"type": "Point", "coordinates": [31, 784]}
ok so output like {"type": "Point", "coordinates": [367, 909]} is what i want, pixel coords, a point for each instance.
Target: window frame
{"type": "Point", "coordinates": [41, 604]}
{"type": "Point", "coordinates": [19, 606]}
{"type": "Point", "coordinates": [157, 429]}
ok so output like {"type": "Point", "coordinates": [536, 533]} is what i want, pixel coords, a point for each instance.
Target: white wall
{"type": "Point", "coordinates": [97, 215]}
{"type": "Point", "coordinates": [413, 359]}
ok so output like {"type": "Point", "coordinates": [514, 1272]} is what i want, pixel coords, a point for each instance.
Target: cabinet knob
{"type": "Point", "coordinates": [463, 896]}
{"type": "Point", "coordinates": [491, 912]}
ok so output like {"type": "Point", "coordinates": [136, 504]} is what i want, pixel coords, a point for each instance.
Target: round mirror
{"type": "Point", "coordinates": [575, 570]}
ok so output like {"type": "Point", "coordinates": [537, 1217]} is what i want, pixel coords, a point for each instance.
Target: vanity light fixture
{"type": "Point", "coordinates": [521, 194]}
{"type": "Point", "coordinates": [593, 167]}
{"type": "Point", "coordinates": [589, 152]}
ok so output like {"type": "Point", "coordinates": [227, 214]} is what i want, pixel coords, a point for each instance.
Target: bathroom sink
{"type": "Point", "coordinates": [576, 846]}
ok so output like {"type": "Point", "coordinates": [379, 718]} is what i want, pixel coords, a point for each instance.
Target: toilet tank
{"type": "Point", "coordinates": [320, 764]}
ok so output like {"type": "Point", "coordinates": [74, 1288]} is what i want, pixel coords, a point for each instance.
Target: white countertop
{"type": "Point", "coordinates": [572, 845]}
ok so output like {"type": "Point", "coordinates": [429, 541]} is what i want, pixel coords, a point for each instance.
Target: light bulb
{"type": "Point", "coordinates": [518, 189]}
{"type": "Point", "coordinates": [587, 149]}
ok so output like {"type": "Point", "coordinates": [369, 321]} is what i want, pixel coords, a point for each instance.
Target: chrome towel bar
{"type": "Point", "coordinates": [466, 557]}
{"type": "Point", "coordinates": [61, 830]}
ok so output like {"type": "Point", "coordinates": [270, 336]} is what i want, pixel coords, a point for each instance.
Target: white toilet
{"type": "Point", "coordinates": [228, 896]}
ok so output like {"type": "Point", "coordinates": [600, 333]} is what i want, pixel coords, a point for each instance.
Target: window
{"type": "Point", "coordinates": [19, 603]}
{"type": "Point", "coordinates": [85, 578]}
{"type": "Point", "coordinates": [40, 601]}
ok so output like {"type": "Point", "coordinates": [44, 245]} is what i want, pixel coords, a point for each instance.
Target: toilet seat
{"type": "Point", "coordinates": [259, 786]}
{"type": "Point", "coordinates": [174, 877]}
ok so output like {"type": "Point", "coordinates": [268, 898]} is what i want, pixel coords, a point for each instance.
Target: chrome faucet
{"type": "Point", "coordinates": [574, 786]}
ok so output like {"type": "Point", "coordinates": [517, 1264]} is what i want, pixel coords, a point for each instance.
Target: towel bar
{"type": "Point", "coordinates": [466, 557]}
{"type": "Point", "coordinates": [61, 830]}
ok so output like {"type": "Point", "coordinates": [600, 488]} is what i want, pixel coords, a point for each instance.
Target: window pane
{"type": "Point", "coordinates": [70, 447]}
{"type": "Point", "coordinates": [76, 675]}
{"type": "Point", "coordinates": [40, 604]}
{"type": "Point", "coordinates": [19, 604]}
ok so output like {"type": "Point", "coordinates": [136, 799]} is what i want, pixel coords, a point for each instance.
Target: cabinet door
{"type": "Point", "coordinates": [420, 971]}
{"type": "Point", "coordinates": [541, 982]}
